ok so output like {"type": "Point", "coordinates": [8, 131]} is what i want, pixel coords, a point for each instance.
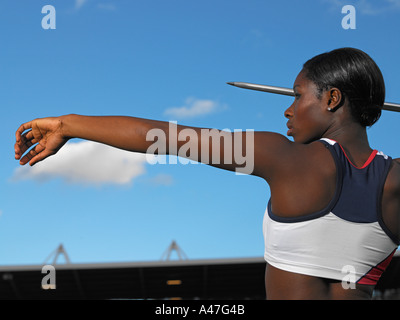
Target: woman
{"type": "Point", "coordinates": [332, 223]}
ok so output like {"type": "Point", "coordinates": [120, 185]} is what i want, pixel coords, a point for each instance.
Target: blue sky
{"type": "Point", "coordinates": [164, 60]}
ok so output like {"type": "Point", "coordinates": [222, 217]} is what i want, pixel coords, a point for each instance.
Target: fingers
{"type": "Point", "coordinates": [32, 142]}
{"type": "Point", "coordinates": [40, 156]}
{"type": "Point", "coordinates": [20, 149]}
{"type": "Point", "coordinates": [34, 155]}
{"type": "Point", "coordinates": [27, 157]}
{"type": "Point", "coordinates": [21, 129]}
{"type": "Point", "coordinates": [25, 141]}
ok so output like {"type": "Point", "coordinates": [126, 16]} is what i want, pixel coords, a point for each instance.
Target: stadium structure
{"type": "Point", "coordinates": [207, 279]}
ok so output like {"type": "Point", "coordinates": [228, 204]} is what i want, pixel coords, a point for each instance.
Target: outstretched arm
{"type": "Point", "coordinates": [258, 153]}
{"type": "Point", "coordinates": [50, 134]}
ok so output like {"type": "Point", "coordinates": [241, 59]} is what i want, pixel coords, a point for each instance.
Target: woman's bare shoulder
{"type": "Point", "coordinates": [393, 179]}
{"type": "Point", "coordinates": [396, 167]}
{"type": "Point", "coordinates": [275, 154]}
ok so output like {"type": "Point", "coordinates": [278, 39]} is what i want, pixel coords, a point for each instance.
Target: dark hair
{"type": "Point", "coordinates": [356, 75]}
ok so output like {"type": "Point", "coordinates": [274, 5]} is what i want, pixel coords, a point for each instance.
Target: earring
{"type": "Point", "coordinates": [329, 102]}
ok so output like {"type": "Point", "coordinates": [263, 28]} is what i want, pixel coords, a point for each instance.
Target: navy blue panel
{"type": "Point", "coordinates": [361, 189]}
{"type": "Point", "coordinates": [358, 191]}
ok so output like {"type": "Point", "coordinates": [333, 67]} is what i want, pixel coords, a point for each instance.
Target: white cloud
{"type": "Point", "coordinates": [79, 3]}
{"type": "Point", "coordinates": [107, 6]}
{"type": "Point", "coordinates": [194, 108]}
{"type": "Point", "coordinates": [87, 162]}
{"type": "Point", "coordinates": [102, 6]}
{"type": "Point", "coordinates": [368, 7]}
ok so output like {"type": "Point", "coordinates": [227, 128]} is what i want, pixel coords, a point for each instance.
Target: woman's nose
{"type": "Point", "coordinates": [289, 112]}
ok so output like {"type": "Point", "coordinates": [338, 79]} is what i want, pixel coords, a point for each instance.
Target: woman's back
{"type": "Point", "coordinates": [310, 234]}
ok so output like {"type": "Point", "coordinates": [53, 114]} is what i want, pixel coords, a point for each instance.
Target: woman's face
{"type": "Point", "coordinates": [308, 115]}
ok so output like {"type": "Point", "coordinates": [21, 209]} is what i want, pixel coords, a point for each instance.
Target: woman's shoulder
{"type": "Point", "coordinates": [393, 179]}
{"type": "Point", "coordinates": [396, 167]}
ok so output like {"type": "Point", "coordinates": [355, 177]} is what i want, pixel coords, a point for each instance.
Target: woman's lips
{"type": "Point", "coordinates": [290, 131]}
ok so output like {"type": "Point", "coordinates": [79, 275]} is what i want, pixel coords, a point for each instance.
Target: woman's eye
{"type": "Point", "coordinates": [297, 96]}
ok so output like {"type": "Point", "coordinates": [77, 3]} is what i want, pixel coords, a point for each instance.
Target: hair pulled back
{"type": "Point", "coordinates": [356, 75]}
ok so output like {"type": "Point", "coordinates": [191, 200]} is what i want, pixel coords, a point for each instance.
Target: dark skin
{"type": "Point", "coordinates": [309, 119]}
{"type": "Point", "coordinates": [298, 181]}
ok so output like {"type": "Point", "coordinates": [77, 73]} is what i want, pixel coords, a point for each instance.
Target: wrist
{"type": "Point", "coordinates": [66, 125]}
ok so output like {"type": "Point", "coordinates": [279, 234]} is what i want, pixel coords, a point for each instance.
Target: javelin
{"type": "Point", "coordinates": [289, 92]}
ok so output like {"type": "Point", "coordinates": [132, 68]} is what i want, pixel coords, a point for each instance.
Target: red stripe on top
{"type": "Point", "coordinates": [372, 277]}
{"type": "Point", "coordinates": [371, 157]}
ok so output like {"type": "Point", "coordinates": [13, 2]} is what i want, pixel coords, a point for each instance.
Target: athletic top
{"type": "Point", "coordinates": [348, 239]}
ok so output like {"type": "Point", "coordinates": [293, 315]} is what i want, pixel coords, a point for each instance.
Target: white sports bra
{"type": "Point", "coordinates": [348, 239]}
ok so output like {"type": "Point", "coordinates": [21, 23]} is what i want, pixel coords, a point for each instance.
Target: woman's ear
{"type": "Point", "coordinates": [335, 99]}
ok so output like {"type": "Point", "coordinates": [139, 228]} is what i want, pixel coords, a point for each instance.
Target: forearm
{"type": "Point", "coordinates": [122, 132]}
{"type": "Point", "coordinates": [209, 146]}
